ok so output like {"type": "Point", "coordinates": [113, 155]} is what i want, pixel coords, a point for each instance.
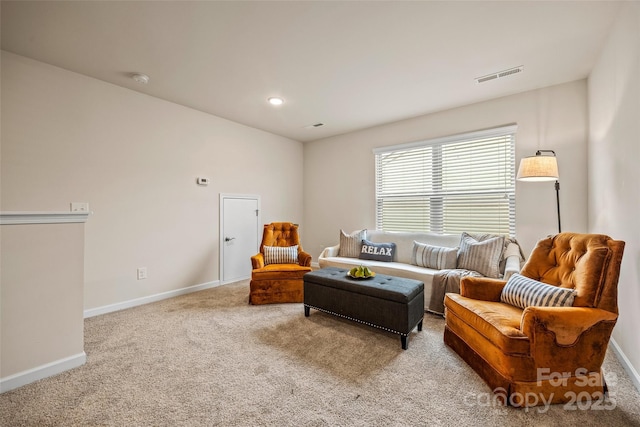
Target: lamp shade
{"type": "Point", "coordinates": [538, 168]}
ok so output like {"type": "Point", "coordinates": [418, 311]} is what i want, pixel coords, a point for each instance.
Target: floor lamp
{"type": "Point", "coordinates": [541, 168]}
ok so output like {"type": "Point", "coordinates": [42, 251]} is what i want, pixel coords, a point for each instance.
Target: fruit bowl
{"type": "Point", "coordinates": [361, 273]}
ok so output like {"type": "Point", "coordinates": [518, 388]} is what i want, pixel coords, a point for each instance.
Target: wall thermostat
{"type": "Point", "coordinates": [203, 181]}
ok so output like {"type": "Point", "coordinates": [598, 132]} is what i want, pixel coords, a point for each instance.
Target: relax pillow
{"type": "Point", "coordinates": [482, 256]}
{"type": "Point", "coordinates": [523, 292]}
{"type": "Point", "coordinates": [436, 257]}
{"type": "Point", "coordinates": [377, 251]}
{"type": "Point", "coordinates": [350, 244]}
{"type": "Point", "coordinates": [281, 254]}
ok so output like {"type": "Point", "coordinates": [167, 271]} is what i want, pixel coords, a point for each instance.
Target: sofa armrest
{"type": "Point", "coordinates": [257, 261]}
{"type": "Point", "coordinates": [481, 288]}
{"type": "Point", "coordinates": [567, 323]}
{"type": "Point", "coordinates": [331, 251]}
{"type": "Point", "coordinates": [512, 265]}
{"type": "Point", "coordinates": [304, 259]}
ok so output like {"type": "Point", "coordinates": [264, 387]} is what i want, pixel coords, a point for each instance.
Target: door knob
{"type": "Point", "coordinates": [228, 239]}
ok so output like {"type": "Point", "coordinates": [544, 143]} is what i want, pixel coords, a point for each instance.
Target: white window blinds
{"type": "Point", "coordinates": [448, 185]}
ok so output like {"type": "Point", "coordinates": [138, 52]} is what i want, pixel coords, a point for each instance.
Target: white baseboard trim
{"type": "Point", "coordinates": [148, 299]}
{"type": "Point", "coordinates": [315, 265]}
{"type": "Point", "coordinates": [50, 369]}
{"type": "Point", "coordinates": [626, 364]}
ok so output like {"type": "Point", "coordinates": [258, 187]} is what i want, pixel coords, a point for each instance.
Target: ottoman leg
{"type": "Point", "coordinates": [306, 311]}
{"type": "Point", "coordinates": [405, 341]}
{"type": "Point", "coordinates": [420, 326]}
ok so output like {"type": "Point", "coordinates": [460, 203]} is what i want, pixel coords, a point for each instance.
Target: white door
{"type": "Point", "coordinates": [239, 233]}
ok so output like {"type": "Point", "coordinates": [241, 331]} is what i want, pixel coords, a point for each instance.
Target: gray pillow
{"type": "Point", "coordinates": [377, 251]}
{"type": "Point", "coordinates": [524, 292]}
{"type": "Point", "coordinates": [481, 256]}
{"type": "Point", "coordinates": [436, 257]}
{"type": "Point", "coordinates": [350, 244]}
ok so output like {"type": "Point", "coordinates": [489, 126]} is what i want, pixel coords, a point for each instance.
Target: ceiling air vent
{"type": "Point", "coordinates": [315, 125]}
{"type": "Point", "coordinates": [500, 74]}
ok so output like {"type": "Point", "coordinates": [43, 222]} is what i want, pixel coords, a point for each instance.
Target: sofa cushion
{"type": "Point", "coordinates": [350, 244]}
{"type": "Point", "coordinates": [377, 251]}
{"type": "Point", "coordinates": [483, 256]}
{"type": "Point", "coordinates": [524, 292]}
{"type": "Point", "coordinates": [280, 254]}
{"type": "Point", "coordinates": [404, 241]}
{"type": "Point", "coordinates": [437, 257]}
{"type": "Point", "coordinates": [497, 322]}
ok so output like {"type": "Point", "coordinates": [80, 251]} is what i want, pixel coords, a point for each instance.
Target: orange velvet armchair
{"type": "Point", "coordinates": [278, 282]}
{"type": "Point", "coordinates": [540, 355]}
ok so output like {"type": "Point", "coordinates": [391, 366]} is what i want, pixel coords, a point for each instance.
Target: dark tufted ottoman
{"type": "Point", "coordinates": [391, 303]}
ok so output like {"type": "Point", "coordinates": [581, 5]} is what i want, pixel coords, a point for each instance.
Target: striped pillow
{"type": "Point", "coordinates": [523, 292]}
{"type": "Point", "coordinates": [435, 257]}
{"type": "Point", "coordinates": [481, 256]}
{"type": "Point", "coordinates": [351, 244]}
{"type": "Point", "coordinates": [281, 254]}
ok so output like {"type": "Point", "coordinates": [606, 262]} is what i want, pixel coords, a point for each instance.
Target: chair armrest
{"type": "Point", "coordinates": [331, 251]}
{"type": "Point", "coordinates": [512, 265]}
{"type": "Point", "coordinates": [481, 288]}
{"type": "Point", "coordinates": [257, 261]}
{"type": "Point", "coordinates": [567, 323]}
{"type": "Point", "coordinates": [304, 259]}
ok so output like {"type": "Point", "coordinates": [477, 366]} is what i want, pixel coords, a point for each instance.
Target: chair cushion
{"type": "Point", "coordinates": [524, 292]}
{"type": "Point", "coordinates": [280, 254]}
{"type": "Point", "coordinates": [497, 322]}
{"type": "Point", "coordinates": [279, 271]}
{"type": "Point", "coordinates": [482, 256]}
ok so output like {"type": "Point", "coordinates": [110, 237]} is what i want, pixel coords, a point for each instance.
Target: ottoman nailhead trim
{"type": "Point", "coordinates": [355, 320]}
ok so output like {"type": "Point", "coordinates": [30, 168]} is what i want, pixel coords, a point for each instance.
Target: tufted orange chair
{"type": "Point", "coordinates": [275, 283]}
{"type": "Point", "coordinates": [542, 355]}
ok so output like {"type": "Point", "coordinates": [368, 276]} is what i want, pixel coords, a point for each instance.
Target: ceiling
{"type": "Point", "coordinates": [347, 64]}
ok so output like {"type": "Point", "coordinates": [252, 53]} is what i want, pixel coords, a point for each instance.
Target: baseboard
{"type": "Point", "coordinates": [27, 377]}
{"type": "Point", "coordinates": [146, 300]}
{"type": "Point", "coordinates": [626, 364]}
{"type": "Point", "coordinates": [315, 265]}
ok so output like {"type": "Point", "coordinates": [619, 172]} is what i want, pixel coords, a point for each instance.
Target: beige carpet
{"type": "Point", "coordinates": [209, 358]}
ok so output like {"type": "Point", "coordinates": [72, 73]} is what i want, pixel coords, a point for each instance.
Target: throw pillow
{"type": "Point", "coordinates": [481, 256]}
{"type": "Point", "coordinates": [523, 292]}
{"type": "Point", "coordinates": [350, 244]}
{"type": "Point", "coordinates": [377, 251]}
{"type": "Point", "coordinates": [436, 257]}
{"type": "Point", "coordinates": [280, 255]}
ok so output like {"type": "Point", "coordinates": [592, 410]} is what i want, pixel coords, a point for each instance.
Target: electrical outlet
{"type": "Point", "coordinates": [79, 207]}
{"type": "Point", "coordinates": [142, 273]}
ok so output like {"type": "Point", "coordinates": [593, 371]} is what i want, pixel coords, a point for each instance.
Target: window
{"type": "Point", "coordinates": [448, 185]}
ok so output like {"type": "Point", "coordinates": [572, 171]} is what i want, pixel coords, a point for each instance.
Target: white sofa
{"type": "Point", "coordinates": [401, 266]}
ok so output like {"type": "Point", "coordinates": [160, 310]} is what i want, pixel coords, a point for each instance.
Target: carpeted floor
{"type": "Point", "coordinates": [209, 358]}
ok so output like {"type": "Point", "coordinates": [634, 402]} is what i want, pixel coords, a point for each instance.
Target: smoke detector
{"type": "Point", "coordinates": [140, 78]}
{"type": "Point", "coordinates": [500, 74]}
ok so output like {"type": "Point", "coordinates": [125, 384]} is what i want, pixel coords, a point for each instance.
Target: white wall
{"type": "Point", "coordinates": [614, 172]}
{"type": "Point", "coordinates": [135, 159]}
{"type": "Point", "coordinates": [339, 171]}
{"type": "Point", "coordinates": [41, 313]}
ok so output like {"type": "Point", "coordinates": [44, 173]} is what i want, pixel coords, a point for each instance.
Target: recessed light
{"type": "Point", "coordinates": [140, 78]}
{"type": "Point", "coordinates": [275, 101]}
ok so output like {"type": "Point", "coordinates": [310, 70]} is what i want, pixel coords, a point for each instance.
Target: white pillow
{"type": "Point", "coordinates": [523, 292]}
{"type": "Point", "coordinates": [436, 257]}
{"type": "Point", "coordinates": [351, 244]}
{"type": "Point", "coordinates": [281, 254]}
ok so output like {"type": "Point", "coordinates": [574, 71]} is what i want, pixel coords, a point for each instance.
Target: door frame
{"type": "Point", "coordinates": [224, 196]}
